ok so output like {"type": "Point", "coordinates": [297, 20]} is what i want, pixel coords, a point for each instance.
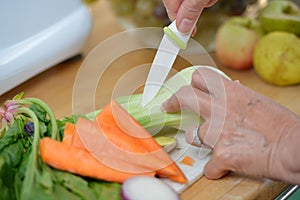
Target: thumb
{"type": "Point", "coordinates": [189, 13]}
{"type": "Point", "coordinates": [214, 169]}
{"type": "Point", "coordinates": [187, 17]}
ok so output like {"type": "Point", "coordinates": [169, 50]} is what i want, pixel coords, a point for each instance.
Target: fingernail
{"type": "Point", "coordinates": [196, 139]}
{"type": "Point", "coordinates": [185, 25]}
{"type": "Point", "coordinates": [192, 137]}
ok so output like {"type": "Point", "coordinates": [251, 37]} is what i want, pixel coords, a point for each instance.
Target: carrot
{"type": "Point", "coordinates": [68, 133]}
{"type": "Point", "coordinates": [79, 161]}
{"type": "Point", "coordinates": [71, 136]}
{"type": "Point", "coordinates": [106, 122]}
{"type": "Point", "coordinates": [118, 142]}
{"type": "Point", "coordinates": [187, 160]}
{"type": "Point", "coordinates": [135, 138]}
{"type": "Point", "coordinates": [128, 124]}
{"type": "Point", "coordinates": [96, 142]}
{"type": "Point", "coordinates": [76, 142]}
{"type": "Point", "coordinates": [89, 131]}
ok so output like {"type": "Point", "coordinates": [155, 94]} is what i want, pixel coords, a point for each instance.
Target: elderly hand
{"type": "Point", "coordinates": [248, 132]}
{"type": "Point", "coordinates": [186, 12]}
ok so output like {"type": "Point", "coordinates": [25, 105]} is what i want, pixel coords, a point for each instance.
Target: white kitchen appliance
{"type": "Point", "coordinates": [37, 34]}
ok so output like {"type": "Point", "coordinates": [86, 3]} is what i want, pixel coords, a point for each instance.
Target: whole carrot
{"type": "Point", "coordinates": [79, 161]}
{"type": "Point", "coordinates": [99, 146]}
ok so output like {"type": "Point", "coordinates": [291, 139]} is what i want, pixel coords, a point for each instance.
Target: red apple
{"type": "Point", "coordinates": [235, 41]}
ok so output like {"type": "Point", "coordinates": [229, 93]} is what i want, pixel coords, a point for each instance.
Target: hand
{"type": "Point", "coordinates": [249, 133]}
{"type": "Point", "coordinates": [186, 12]}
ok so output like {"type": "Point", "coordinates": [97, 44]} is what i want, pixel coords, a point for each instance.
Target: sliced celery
{"type": "Point", "coordinates": [151, 116]}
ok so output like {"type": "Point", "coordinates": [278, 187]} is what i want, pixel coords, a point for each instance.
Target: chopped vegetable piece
{"type": "Point", "coordinates": [167, 143]}
{"type": "Point", "coordinates": [187, 160]}
{"type": "Point", "coordinates": [147, 188]}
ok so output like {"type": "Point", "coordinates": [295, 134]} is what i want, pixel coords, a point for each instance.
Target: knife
{"type": "Point", "coordinates": [166, 54]}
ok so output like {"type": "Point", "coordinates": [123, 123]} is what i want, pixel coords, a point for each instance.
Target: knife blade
{"type": "Point", "coordinates": [166, 54]}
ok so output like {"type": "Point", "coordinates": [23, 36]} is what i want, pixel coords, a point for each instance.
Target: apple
{"type": "Point", "coordinates": [281, 15]}
{"type": "Point", "coordinates": [235, 41]}
{"type": "Point", "coordinates": [277, 58]}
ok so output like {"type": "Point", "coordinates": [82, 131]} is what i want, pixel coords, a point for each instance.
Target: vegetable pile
{"type": "Point", "coordinates": [86, 156]}
{"type": "Point", "coordinates": [23, 174]}
{"type": "Point", "coordinates": [107, 149]}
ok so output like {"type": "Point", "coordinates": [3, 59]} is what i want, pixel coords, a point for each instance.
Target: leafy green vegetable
{"type": "Point", "coordinates": [7, 177]}
{"type": "Point", "coordinates": [105, 190]}
{"type": "Point", "coordinates": [76, 184]}
{"type": "Point", "coordinates": [22, 172]}
{"type": "Point", "coordinates": [12, 135]}
{"type": "Point", "coordinates": [13, 154]}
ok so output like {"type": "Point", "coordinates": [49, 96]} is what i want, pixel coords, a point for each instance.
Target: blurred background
{"type": "Point", "coordinates": [145, 13]}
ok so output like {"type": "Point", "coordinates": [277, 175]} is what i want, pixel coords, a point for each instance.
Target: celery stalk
{"type": "Point", "coordinates": [151, 116]}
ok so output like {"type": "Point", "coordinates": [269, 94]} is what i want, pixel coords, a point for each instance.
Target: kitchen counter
{"type": "Point", "coordinates": [56, 87]}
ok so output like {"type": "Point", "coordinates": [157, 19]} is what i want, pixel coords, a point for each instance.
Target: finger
{"type": "Point", "coordinates": [194, 32]}
{"type": "Point", "coordinates": [188, 98]}
{"type": "Point", "coordinates": [203, 135]}
{"type": "Point", "coordinates": [195, 135]}
{"type": "Point", "coordinates": [208, 80]}
{"type": "Point", "coordinates": [215, 169]}
{"type": "Point", "coordinates": [192, 137]}
{"type": "Point", "coordinates": [199, 82]}
{"type": "Point", "coordinates": [172, 7]}
{"type": "Point", "coordinates": [188, 14]}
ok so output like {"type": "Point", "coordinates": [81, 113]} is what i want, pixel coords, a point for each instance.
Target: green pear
{"type": "Point", "coordinates": [276, 58]}
{"type": "Point", "coordinates": [281, 15]}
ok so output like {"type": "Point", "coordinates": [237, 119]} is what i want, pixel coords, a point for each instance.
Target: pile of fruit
{"type": "Point", "coordinates": [142, 12]}
{"type": "Point", "coordinates": [270, 43]}
{"type": "Point", "coordinates": [152, 13]}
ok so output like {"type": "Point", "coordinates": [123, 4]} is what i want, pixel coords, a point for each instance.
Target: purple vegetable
{"type": "Point", "coordinates": [29, 128]}
{"type": "Point", "coordinates": [145, 187]}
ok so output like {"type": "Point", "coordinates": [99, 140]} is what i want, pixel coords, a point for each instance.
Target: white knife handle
{"type": "Point", "coordinates": [180, 39]}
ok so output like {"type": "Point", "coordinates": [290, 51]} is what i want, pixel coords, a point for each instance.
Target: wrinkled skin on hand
{"type": "Point", "coordinates": [249, 132]}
